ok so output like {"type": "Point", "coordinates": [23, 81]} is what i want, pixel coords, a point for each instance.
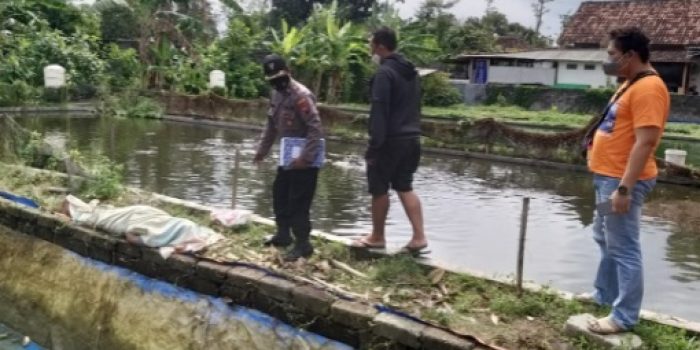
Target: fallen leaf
{"type": "Point", "coordinates": [494, 319]}
{"type": "Point", "coordinates": [448, 308]}
{"type": "Point", "coordinates": [405, 292]}
{"type": "Point", "coordinates": [324, 266]}
{"type": "Point", "coordinates": [470, 319]}
{"type": "Point", "coordinates": [436, 275]}
{"type": "Point", "coordinates": [386, 298]}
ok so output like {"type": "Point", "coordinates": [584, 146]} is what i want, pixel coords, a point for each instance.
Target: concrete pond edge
{"type": "Point", "coordinates": [299, 303]}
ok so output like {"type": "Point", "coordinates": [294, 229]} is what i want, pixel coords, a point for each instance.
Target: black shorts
{"type": "Point", "coordinates": [394, 166]}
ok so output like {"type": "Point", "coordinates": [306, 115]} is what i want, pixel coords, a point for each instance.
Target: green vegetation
{"type": "Point", "coordinates": [524, 117]}
{"type": "Point", "coordinates": [92, 175]}
{"type": "Point", "coordinates": [131, 105]}
{"type": "Point", "coordinates": [114, 46]}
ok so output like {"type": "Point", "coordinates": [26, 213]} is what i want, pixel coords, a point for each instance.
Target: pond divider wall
{"type": "Point", "coordinates": [303, 305]}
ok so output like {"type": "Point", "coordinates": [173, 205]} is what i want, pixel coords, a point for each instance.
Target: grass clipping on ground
{"type": "Point", "coordinates": [491, 311]}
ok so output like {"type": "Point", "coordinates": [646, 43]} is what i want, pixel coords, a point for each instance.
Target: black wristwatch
{"type": "Point", "coordinates": [623, 190]}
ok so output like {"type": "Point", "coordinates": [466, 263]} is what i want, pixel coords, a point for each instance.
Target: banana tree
{"type": "Point", "coordinates": [337, 45]}
{"type": "Point", "coordinates": [289, 42]}
{"type": "Point", "coordinates": [161, 58]}
{"type": "Point", "coordinates": [300, 47]}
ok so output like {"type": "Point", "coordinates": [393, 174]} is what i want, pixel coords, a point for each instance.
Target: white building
{"type": "Point", "coordinates": [573, 68]}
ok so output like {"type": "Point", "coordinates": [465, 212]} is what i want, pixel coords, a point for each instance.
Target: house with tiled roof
{"type": "Point", "coordinates": [672, 25]}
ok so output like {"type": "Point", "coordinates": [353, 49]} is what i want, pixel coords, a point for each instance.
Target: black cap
{"type": "Point", "coordinates": [274, 67]}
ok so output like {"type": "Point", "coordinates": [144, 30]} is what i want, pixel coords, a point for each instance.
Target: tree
{"type": "Point", "coordinates": [119, 21]}
{"type": "Point", "coordinates": [357, 10]}
{"type": "Point", "coordinates": [565, 18]}
{"type": "Point", "coordinates": [473, 37]}
{"type": "Point", "coordinates": [539, 8]}
{"type": "Point", "coordinates": [433, 18]}
{"type": "Point", "coordinates": [53, 14]}
{"type": "Point", "coordinates": [296, 12]}
{"type": "Point", "coordinates": [236, 55]}
{"type": "Point", "coordinates": [333, 46]}
{"type": "Point", "coordinates": [490, 7]}
{"type": "Point", "coordinates": [432, 9]}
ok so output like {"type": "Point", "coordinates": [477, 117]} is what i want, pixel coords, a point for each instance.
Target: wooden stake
{"type": "Point", "coordinates": [234, 184]}
{"type": "Point", "coordinates": [521, 245]}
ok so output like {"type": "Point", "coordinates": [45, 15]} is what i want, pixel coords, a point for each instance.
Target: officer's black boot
{"type": "Point", "coordinates": [280, 239]}
{"type": "Point", "coordinates": [302, 245]}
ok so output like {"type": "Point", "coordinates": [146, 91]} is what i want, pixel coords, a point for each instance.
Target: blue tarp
{"type": "Point", "coordinates": [27, 202]}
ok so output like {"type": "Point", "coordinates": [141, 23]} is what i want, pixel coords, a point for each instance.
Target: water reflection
{"type": "Point", "coordinates": [472, 207]}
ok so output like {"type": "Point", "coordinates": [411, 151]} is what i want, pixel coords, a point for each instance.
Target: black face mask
{"type": "Point", "coordinates": [281, 83]}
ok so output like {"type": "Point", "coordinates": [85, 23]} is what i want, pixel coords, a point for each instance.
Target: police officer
{"type": "Point", "coordinates": [292, 113]}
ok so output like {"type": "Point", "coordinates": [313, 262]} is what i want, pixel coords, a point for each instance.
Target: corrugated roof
{"type": "Point", "coordinates": [666, 22]}
{"type": "Point", "coordinates": [579, 55]}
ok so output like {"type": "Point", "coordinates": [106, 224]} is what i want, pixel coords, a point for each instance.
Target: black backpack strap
{"type": "Point", "coordinates": [588, 139]}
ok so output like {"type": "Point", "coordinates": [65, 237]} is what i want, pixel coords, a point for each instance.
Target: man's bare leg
{"type": "Point", "coordinates": [414, 211]}
{"type": "Point", "coordinates": [380, 210]}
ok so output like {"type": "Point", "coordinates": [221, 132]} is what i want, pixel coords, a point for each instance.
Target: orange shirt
{"type": "Point", "coordinates": [646, 103]}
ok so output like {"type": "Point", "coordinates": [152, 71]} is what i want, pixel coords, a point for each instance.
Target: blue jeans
{"type": "Point", "coordinates": [620, 282]}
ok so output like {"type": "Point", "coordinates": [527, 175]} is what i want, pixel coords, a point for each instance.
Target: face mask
{"type": "Point", "coordinates": [612, 67]}
{"type": "Point", "coordinates": [376, 59]}
{"type": "Point", "coordinates": [280, 84]}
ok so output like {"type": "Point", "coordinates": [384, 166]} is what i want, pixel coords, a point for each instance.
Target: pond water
{"type": "Point", "coordinates": [472, 208]}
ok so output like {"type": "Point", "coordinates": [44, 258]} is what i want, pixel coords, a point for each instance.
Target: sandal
{"type": "Point", "coordinates": [605, 326]}
{"type": "Point", "coordinates": [364, 244]}
{"type": "Point", "coordinates": [414, 250]}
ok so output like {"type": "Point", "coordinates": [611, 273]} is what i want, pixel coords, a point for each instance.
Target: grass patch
{"type": "Point", "coordinates": [399, 270]}
{"type": "Point", "coordinates": [546, 118]}
{"type": "Point", "coordinates": [666, 338]}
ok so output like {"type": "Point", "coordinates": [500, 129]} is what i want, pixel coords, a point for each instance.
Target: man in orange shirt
{"type": "Point", "coordinates": [621, 158]}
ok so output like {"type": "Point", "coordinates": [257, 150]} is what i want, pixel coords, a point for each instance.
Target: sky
{"type": "Point", "coordinates": [516, 10]}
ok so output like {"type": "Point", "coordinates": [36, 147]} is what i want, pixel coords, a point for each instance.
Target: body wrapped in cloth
{"type": "Point", "coordinates": [142, 224]}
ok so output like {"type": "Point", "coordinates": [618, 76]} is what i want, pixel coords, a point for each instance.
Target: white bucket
{"type": "Point", "coordinates": [676, 156]}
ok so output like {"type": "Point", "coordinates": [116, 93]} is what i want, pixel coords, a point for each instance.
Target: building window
{"type": "Point", "coordinates": [571, 66]}
{"type": "Point", "coordinates": [589, 67]}
{"type": "Point", "coordinates": [502, 62]}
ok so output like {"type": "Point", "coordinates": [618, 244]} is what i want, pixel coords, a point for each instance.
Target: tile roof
{"type": "Point", "coordinates": [666, 22]}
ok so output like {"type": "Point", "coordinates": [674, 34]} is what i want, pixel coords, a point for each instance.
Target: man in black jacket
{"type": "Point", "coordinates": [394, 140]}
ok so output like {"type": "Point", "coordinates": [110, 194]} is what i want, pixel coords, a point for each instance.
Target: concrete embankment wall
{"type": "Point", "coordinates": [302, 305]}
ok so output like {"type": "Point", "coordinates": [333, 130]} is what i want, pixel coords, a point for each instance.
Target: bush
{"type": "Point", "coordinates": [130, 105]}
{"type": "Point", "coordinates": [55, 95]}
{"type": "Point", "coordinates": [26, 58]}
{"type": "Point", "coordinates": [17, 93]}
{"type": "Point", "coordinates": [103, 179]}
{"type": "Point", "coordinates": [218, 91]}
{"type": "Point", "coordinates": [439, 92]}
{"type": "Point", "coordinates": [123, 66]}
{"type": "Point", "coordinates": [598, 97]}
{"type": "Point", "coordinates": [521, 96]}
